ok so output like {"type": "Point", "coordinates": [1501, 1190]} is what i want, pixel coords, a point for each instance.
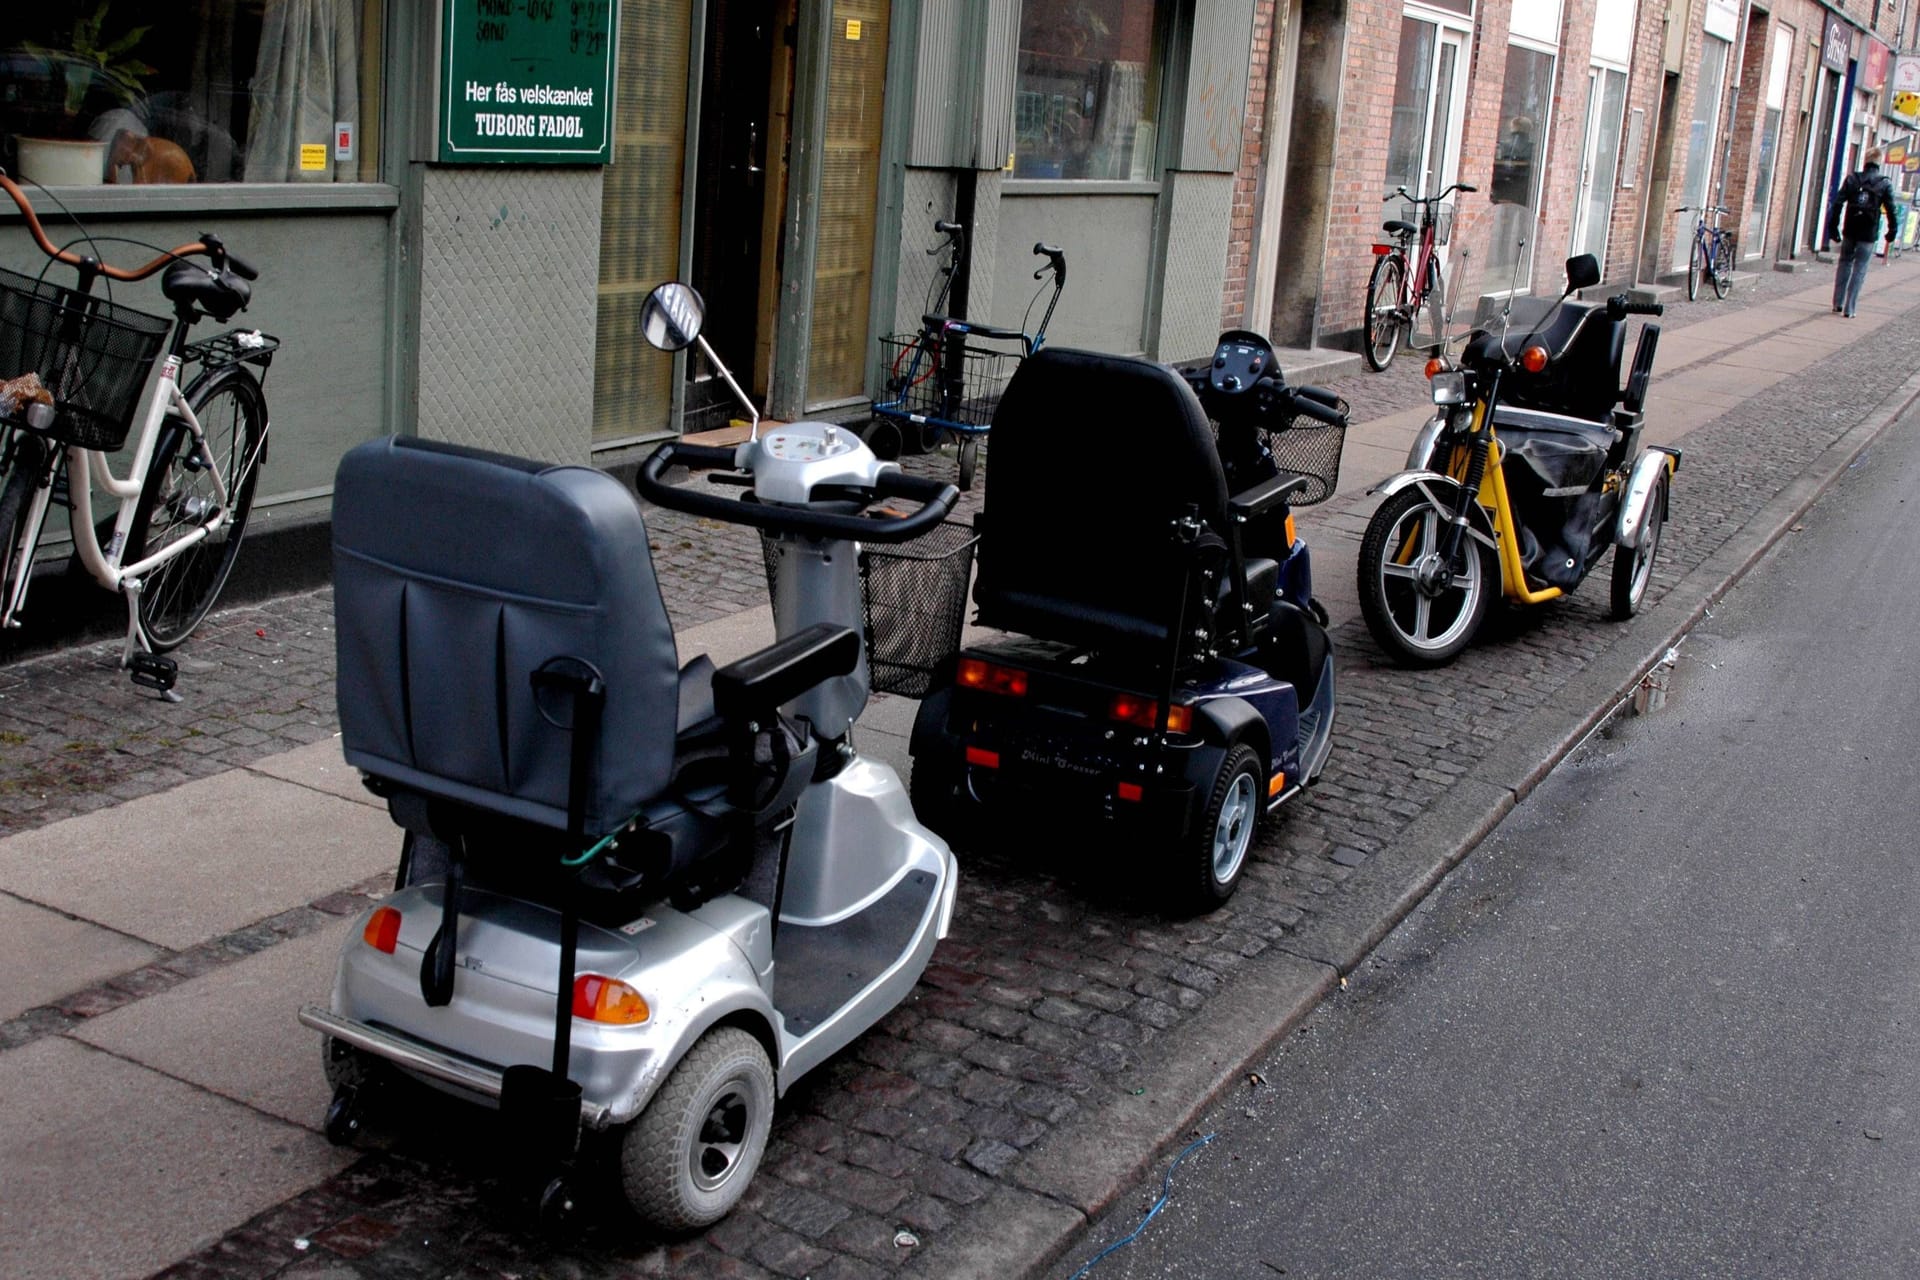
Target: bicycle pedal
{"type": "Point", "coordinates": [152, 671]}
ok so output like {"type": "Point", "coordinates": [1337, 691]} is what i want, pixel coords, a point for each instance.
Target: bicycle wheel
{"type": "Point", "coordinates": [179, 497]}
{"type": "Point", "coordinates": [1721, 267]}
{"type": "Point", "coordinates": [1693, 270]}
{"type": "Point", "coordinates": [16, 494]}
{"type": "Point", "coordinates": [1384, 289]}
{"type": "Point", "coordinates": [1436, 303]}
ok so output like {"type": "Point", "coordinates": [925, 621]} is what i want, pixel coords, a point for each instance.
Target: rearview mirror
{"type": "Point", "coordinates": [671, 317]}
{"type": "Point", "coordinates": [1583, 271]}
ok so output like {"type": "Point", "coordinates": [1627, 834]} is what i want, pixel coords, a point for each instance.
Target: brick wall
{"type": "Point", "coordinates": [1247, 179]}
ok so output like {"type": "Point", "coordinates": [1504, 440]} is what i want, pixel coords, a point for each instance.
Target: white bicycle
{"type": "Point", "coordinates": [183, 505]}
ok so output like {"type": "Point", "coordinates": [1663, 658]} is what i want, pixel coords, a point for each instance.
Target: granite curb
{"type": "Point", "coordinates": [1083, 1167]}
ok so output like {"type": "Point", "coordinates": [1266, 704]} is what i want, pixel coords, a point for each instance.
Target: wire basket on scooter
{"type": "Point", "coordinates": [1311, 448]}
{"type": "Point", "coordinates": [93, 355]}
{"type": "Point", "coordinates": [914, 595]}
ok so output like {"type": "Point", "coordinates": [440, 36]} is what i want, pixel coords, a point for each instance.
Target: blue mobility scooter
{"type": "Point", "coordinates": [635, 897]}
{"type": "Point", "coordinates": [1167, 674]}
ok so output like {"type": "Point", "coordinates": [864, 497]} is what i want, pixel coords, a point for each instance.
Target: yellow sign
{"type": "Point", "coordinates": [853, 28]}
{"type": "Point", "coordinates": [1896, 154]}
{"type": "Point", "coordinates": [1906, 103]}
{"type": "Point", "coordinates": [313, 157]}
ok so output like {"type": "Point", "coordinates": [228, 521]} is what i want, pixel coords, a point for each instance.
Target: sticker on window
{"type": "Point", "coordinates": [313, 157]}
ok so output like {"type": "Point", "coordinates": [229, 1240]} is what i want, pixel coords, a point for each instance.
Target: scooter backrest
{"type": "Point", "coordinates": [1583, 379]}
{"type": "Point", "coordinates": [457, 575]}
{"type": "Point", "coordinates": [1094, 456]}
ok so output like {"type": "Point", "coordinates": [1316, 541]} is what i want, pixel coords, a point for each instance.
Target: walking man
{"type": "Point", "coordinates": [1854, 220]}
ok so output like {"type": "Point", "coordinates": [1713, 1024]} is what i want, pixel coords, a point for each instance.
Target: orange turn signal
{"type": "Point", "coordinates": [383, 930]}
{"type": "Point", "coordinates": [1533, 359]}
{"type": "Point", "coordinates": [1290, 531]}
{"type": "Point", "coordinates": [608, 1000]}
{"type": "Point", "coordinates": [984, 758]}
{"type": "Point", "coordinates": [991, 677]}
{"type": "Point", "coordinates": [1144, 713]}
{"type": "Point", "coordinates": [1274, 786]}
{"type": "Point", "coordinates": [1435, 365]}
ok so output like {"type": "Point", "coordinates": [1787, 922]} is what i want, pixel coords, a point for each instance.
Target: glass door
{"type": "Point", "coordinates": [1599, 160]}
{"type": "Point", "coordinates": [1700, 139]}
{"type": "Point", "coordinates": [1423, 140]}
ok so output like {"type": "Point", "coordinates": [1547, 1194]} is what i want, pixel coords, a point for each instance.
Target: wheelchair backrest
{"type": "Point", "coordinates": [1093, 458]}
{"type": "Point", "coordinates": [457, 575]}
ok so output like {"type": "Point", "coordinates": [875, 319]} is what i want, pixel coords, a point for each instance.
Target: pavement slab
{"type": "Point", "coordinates": [320, 767]}
{"type": "Point", "coordinates": [107, 1171]}
{"type": "Point", "coordinates": [46, 954]}
{"type": "Point", "coordinates": [234, 1031]}
{"type": "Point", "coordinates": [200, 860]}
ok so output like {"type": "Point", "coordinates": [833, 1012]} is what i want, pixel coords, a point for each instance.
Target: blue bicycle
{"type": "Point", "coordinates": [1711, 258]}
{"type": "Point", "coordinates": [945, 380]}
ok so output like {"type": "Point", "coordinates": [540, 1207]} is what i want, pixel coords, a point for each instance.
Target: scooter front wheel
{"type": "Point", "coordinates": [689, 1157]}
{"type": "Point", "coordinates": [1419, 609]}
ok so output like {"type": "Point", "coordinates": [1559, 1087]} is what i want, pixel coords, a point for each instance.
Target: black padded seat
{"type": "Point", "coordinates": [1398, 228]}
{"type": "Point", "coordinates": [1094, 456]}
{"type": "Point", "coordinates": [1586, 348]}
{"type": "Point", "coordinates": [219, 296]}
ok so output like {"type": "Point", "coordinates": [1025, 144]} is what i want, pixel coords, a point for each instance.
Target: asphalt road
{"type": "Point", "coordinates": [1666, 1021]}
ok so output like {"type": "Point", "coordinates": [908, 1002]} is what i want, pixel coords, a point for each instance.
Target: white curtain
{"type": "Point", "coordinates": [305, 81]}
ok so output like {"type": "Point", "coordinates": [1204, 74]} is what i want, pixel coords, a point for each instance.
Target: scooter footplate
{"type": "Point", "coordinates": [818, 969]}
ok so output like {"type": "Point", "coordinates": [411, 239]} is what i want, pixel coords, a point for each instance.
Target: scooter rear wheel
{"type": "Point", "coordinates": [1215, 851]}
{"type": "Point", "coordinates": [690, 1156]}
{"type": "Point", "coordinates": [1420, 623]}
{"type": "Point", "coordinates": [1633, 566]}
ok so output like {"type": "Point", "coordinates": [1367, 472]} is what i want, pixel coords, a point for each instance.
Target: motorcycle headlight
{"type": "Point", "coordinates": [1449, 387]}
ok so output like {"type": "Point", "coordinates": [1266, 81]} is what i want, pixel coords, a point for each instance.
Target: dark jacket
{"type": "Point", "coordinates": [1872, 181]}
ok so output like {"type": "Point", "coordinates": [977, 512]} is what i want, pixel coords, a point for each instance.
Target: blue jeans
{"type": "Point", "coordinates": [1851, 274]}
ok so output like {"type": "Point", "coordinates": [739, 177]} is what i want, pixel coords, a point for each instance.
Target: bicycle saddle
{"type": "Point", "coordinates": [1399, 228]}
{"type": "Point", "coordinates": [218, 295]}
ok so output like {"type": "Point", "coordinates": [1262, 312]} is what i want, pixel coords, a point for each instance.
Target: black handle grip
{"type": "Point", "coordinates": [1461, 186]}
{"type": "Point", "coordinates": [1056, 259]}
{"type": "Point", "coordinates": [1308, 407]}
{"type": "Point", "coordinates": [1620, 306]}
{"type": "Point", "coordinates": [937, 499]}
{"type": "Point", "coordinates": [241, 267]}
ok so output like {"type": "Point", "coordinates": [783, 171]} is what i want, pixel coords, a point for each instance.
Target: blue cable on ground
{"type": "Point", "coordinates": [1166, 1193]}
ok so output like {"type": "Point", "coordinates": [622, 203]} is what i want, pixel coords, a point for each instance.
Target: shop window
{"type": "Point", "coordinates": [172, 91]}
{"type": "Point", "coordinates": [1087, 98]}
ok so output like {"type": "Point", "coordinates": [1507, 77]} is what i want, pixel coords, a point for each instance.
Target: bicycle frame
{"type": "Point", "coordinates": [87, 468]}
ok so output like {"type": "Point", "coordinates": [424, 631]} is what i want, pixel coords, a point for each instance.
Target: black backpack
{"type": "Point", "coordinates": [1862, 216]}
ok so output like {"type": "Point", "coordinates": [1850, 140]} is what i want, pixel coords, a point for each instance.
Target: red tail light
{"type": "Point", "coordinates": [1144, 713]}
{"type": "Point", "coordinates": [991, 677]}
{"type": "Point", "coordinates": [1131, 791]}
{"type": "Point", "coordinates": [984, 758]}
{"type": "Point", "coordinates": [1381, 250]}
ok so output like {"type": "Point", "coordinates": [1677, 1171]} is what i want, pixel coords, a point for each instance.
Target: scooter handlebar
{"type": "Point", "coordinates": [935, 497]}
{"type": "Point", "coordinates": [1619, 306]}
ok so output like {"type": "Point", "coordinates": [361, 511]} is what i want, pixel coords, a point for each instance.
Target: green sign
{"type": "Point", "coordinates": [527, 81]}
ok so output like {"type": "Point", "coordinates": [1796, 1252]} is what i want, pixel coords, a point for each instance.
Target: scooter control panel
{"type": "Point", "coordinates": [1238, 362]}
{"type": "Point", "coordinates": [789, 461]}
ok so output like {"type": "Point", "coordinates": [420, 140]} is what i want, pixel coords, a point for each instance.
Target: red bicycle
{"type": "Point", "coordinates": [1398, 290]}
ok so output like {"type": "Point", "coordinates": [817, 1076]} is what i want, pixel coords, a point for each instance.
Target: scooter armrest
{"type": "Point", "coordinates": [1265, 496]}
{"type": "Point", "coordinates": [759, 682]}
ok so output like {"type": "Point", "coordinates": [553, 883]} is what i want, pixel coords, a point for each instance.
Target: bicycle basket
{"type": "Point", "coordinates": [1442, 223]}
{"type": "Point", "coordinates": [914, 595]}
{"type": "Point", "coordinates": [94, 356]}
{"type": "Point", "coordinates": [1311, 448]}
{"type": "Point", "coordinates": [953, 383]}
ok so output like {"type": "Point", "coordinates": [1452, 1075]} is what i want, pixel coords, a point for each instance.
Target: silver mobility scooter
{"type": "Point", "coordinates": [634, 896]}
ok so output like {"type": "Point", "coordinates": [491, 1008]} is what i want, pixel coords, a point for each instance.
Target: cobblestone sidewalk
{"type": "Point", "coordinates": [1056, 990]}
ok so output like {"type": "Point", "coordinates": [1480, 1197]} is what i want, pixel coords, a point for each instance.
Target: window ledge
{"type": "Point", "coordinates": [213, 197]}
{"type": "Point", "coordinates": [1076, 187]}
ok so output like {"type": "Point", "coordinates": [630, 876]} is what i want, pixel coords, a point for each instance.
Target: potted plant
{"type": "Point", "coordinates": [89, 66]}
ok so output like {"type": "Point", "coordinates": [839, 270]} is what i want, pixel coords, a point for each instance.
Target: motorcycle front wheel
{"type": "Point", "coordinates": [1419, 614]}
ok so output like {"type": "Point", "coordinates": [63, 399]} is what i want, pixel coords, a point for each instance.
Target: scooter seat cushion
{"type": "Point", "coordinates": [457, 575]}
{"type": "Point", "coordinates": [1094, 457]}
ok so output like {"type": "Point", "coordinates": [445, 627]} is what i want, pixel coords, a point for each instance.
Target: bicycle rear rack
{"type": "Point", "coordinates": [235, 346]}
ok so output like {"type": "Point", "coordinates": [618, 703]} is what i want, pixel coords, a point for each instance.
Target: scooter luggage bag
{"type": "Point", "coordinates": [457, 575]}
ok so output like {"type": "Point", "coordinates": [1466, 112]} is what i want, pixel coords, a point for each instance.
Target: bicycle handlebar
{"type": "Point", "coordinates": [936, 499]}
{"type": "Point", "coordinates": [1055, 260]}
{"type": "Point", "coordinates": [1403, 193]}
{"type": "Point", "coordinates": [71, 259]}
